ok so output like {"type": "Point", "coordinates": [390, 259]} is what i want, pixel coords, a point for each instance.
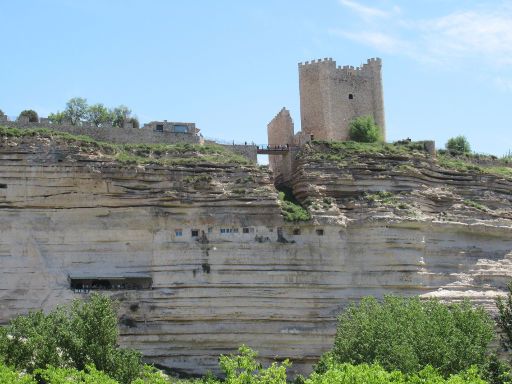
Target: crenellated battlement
{"type": "Point", "coordinates": [327, 60]}
{"type": "Point", "coordinates": [367, 69]}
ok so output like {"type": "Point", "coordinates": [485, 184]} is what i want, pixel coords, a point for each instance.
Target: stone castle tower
{"type": "Point", "coordinates": [331, 97]}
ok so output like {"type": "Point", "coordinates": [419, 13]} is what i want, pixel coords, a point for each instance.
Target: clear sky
{"type": "Point", "coordinates": [230, 66]}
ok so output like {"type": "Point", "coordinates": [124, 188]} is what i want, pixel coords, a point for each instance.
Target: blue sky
{"type": "Point", "coordinates": [230, 66]}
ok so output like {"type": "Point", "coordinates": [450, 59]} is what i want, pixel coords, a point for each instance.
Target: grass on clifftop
{"type": "Point", "coordinates": [341, 151]}
{"type": "Point", "coordinates": [162, 154]}
{"type": "Point", "coordinates": [466, 165]}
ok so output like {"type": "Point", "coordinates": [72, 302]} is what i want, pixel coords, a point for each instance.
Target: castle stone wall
{"type": "Point", "coordinates": [249, 151]}
{"type": "Point", "coordinates": [280, 132]}
{"type": "Point", "coordinates": [114, 134]}
{"type": "Point", "coordinates": [332, 96]}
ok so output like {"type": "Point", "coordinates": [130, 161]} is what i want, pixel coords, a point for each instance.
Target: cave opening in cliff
{"type": "Point", "coordinates": [102, 283]}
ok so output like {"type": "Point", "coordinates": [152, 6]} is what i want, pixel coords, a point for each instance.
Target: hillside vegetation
{"type": "Point", "coordinates": [340, 153]}
{"type": "Point", "coordinates": [401, 340]}
{"type": "Point", "coordinates": [140, 154]}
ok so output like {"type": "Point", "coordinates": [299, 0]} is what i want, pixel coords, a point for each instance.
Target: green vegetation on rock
{"type": "Point", "coordinates": [364, 130]}
{"type": "Point", "coordinates": [458, 145]}
{"type": "Point", "coordinates": [137, 154]}
{"type": "Point", "coordinates": [291, 210]}
{"type": "Point", "coordinates": [340, 151]}
{"type": "Point", "coordinates": [30, 114]}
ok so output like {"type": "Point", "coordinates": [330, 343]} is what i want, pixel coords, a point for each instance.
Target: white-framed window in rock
{"type": "Point", "coordinates": [228, 230]}
{"type": "Point", "coordinates": [178, 232]}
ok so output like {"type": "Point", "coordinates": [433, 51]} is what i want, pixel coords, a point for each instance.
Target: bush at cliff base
{"type": "Point", "coordinates": [409, 334]}
{"type": "Point", "coordinates": [375, 374]}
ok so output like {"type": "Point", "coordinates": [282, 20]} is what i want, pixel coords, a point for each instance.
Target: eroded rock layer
{"type": "Point", "coordinates": [225, 268]}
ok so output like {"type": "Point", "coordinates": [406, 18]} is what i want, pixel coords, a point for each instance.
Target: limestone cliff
{"type": "Point", "coordinates": [225, 268]}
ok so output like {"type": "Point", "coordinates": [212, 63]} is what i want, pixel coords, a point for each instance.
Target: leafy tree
{"type": "Point", "coordinates": [90, 375]}
{"type": "Point", "coordinates": [496, 371]}
{"type": "Point", "coordinates": [336, 373]}
{"type": "Point", "coordinates": [76, 110]}
{"type": "Point", "coordinates": [504, 318]}
{"type": "Point", "coordinates": [244, 369]}
{"type": "Point", "coordinates": [458, 145]}
{"type": "Point", "coordinates": [408, 334]}
{"type": "Point", "coordinates": [75, 336]}
{"type": "Point", "coordinates": [364, 130]}
{"type": "Point", "coordinates": [31, 114]}
{"type": "Point", "coordinates": [120, 115]}
{"type": "Point", "coordinates": [135, 122]}
{"type": "Point", "coordinates": [98, 114]}
{"type": "Point", "coordinates": [57, 118]}
{"type": "Point", "coordinates": [10, 376]}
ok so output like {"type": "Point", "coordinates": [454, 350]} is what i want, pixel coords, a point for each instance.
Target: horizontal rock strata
{"type": "Point", "coordinates": [274, 286]}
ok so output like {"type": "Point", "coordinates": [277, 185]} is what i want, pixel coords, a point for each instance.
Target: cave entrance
{"type": "Point", "coordinates": [105, 283]}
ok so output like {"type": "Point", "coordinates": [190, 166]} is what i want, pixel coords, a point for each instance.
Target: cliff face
{"type": "Point", "coordinates": [68, 210]}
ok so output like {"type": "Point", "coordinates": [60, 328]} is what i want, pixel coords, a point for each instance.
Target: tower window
{"type": "Point", "coordinates": [350, 96]}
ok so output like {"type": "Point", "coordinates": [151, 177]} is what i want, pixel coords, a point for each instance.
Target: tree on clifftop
{"type": "Point", "coordinates": [31, 114]}
{"type": "Point", "coordinates": [76, 110]}
{"type": "Point", "coordinates": [98, 114]}
{"type": "Point", "coordinates": [458, 145]}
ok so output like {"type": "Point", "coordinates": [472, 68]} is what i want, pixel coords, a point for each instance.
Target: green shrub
{"type": "Point", "coordinates": [11, 376]}
{"type": "Point", "coordinates": [290, 208]}
{"type": "Point", "coordinates": [364, 130]}
{"type": "Point", "coordinates": [504, 318]}
{"type": "Point", "coordinates": [31, 114]}
{"type": "Point", "coordinates": [74, 336]}
{"type": "Point", "coordinates": [408, 334]}
{"type": "Point", "coordinates": [335, 373]}
{"type": "Point", "coordinates": [458, 145]}
{"type": "Point", "coordinates": [244, 369]}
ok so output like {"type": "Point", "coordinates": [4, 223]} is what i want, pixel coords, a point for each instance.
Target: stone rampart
{"type": "Point", "coordinates": [113, 134]}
